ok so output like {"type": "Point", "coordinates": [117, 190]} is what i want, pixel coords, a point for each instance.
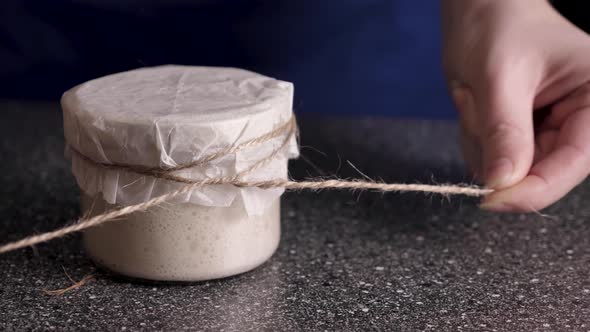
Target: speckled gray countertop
{"type": "Point", "coordinates": [347, 262]}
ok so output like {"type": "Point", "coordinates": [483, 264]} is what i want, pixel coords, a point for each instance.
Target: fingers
{"type": "Point", "coordinates": [578, 100]}
{"type": "Point", "coordinates": [554, 176]}
{"type": "Point", "coordinates": [507, 134]}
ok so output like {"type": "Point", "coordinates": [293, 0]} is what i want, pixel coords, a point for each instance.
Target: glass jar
{"type": "Point", "coordinates": [163, 117]}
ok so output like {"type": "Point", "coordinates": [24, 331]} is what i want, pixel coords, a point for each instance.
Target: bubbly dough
{"type": "Point", "coordinates": [183, 242]}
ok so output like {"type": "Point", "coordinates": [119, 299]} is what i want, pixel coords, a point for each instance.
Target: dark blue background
{"type": "Point", "coordinates": [379, 57]}
{"type": "Point", "coordinates": [344, 56]}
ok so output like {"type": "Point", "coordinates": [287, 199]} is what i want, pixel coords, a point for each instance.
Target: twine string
{"type": "Point", "coordinates": [289, 130]}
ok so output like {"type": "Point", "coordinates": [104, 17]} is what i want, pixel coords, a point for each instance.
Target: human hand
{"type": "Point", "coordinates": [509, 62]}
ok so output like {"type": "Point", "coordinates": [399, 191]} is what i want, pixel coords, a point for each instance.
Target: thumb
{"type": "Point", "coordinates": [507, 136]}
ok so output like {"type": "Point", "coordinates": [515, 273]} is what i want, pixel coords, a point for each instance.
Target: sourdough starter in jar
{"type": "Point", "coordinates": [164, 117]}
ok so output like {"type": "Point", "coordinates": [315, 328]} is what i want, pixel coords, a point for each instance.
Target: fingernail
{"type": "Point", "coordinates": [497, 205]}
{"type": "Point", "coordinates": [499, 174]}
{"type": "Point", "coordinates": [494, 206]}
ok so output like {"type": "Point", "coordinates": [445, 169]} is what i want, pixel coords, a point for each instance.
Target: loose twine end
{"type": "Point", "coordinates": [76, 284]}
